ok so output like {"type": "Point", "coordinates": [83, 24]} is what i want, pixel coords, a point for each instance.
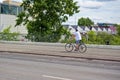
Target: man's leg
{"type": "Point", "coordinates": [77, 45]}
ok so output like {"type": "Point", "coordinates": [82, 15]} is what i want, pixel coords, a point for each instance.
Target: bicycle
{"type": "Point", "coordinates": [71, 46]}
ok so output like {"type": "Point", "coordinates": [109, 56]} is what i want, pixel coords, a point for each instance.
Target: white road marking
{"type": "Point", "coordinates": [54, 77]}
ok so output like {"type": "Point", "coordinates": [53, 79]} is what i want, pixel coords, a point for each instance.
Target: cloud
{"type": "Point", "coordinates": [91, 4]}
{"type": "Point", "coordinates": [105, 0]}
{"type": "Point", "coordinates": [0, 0]}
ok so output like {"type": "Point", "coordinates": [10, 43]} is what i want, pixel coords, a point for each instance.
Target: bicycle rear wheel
{"type": "Point", "coordinates": [69, 47]}
{"type": "Point", "coordinates": [82, 48]}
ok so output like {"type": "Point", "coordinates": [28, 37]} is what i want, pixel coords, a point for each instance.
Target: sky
{"type": "Point", "coordinates": [99, 11]}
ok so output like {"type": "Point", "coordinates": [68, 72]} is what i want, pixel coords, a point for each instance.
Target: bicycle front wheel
{"type": "Point", "coordinates": [82, 48]}
{"type": "Point", "coordinates": [69, 47]}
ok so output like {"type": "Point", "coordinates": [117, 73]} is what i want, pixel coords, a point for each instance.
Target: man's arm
{"type": "Point", "coordinates": [72, 36]}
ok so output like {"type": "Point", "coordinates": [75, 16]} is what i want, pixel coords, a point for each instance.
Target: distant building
{"type": "Point", "coordinates": [107, 27]}
{"type": "Point", "coordinates": [111, 29]}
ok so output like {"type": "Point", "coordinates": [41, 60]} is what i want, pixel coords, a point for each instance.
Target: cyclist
{"type": "Point", "coordinates": [77, 37]}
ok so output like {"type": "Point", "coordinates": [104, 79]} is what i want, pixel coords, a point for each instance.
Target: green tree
{"type": "Point", "coordinates": [85, 22]}
{"type": "Point", "coordinates": [118, 29]}
{"type": "Point", "coordinates": [45, 17]}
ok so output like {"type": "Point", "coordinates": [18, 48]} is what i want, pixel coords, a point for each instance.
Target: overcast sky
{"type": "Point", "coordinates": [105, 11]}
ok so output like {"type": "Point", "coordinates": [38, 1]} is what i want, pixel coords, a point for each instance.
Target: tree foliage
{"type": "Point", "coordinates": [85, 22]}
{"type": "Point", "coordinates": [118, 29]}
{"type": "Point", "coordinates": [45, 17]}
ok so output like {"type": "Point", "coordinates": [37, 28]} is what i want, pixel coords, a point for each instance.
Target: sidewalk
{"type": "Point", "coordinates": [94, 52]}
{"type": "Point", "coordinates": [59, 44]}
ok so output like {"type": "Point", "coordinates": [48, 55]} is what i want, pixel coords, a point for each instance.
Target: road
{"type": "Point", "coordinates": [15, 66]}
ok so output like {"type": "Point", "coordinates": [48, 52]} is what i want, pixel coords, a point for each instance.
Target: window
{"type": "Point", "coordinates": [4, 9]}
{"type": "Point", "coordinates": [10, 9]}
{"type": "Point", "coordinates": [13, 10]}
{"type": "Point", "coordinates": [20, 10]}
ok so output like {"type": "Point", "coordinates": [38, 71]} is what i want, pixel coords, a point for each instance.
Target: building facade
{"type": "Point", "coordinates": [8, 15]}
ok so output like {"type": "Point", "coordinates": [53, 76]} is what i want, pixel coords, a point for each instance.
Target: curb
{"type": "Point", "coordinates": [86, 58]}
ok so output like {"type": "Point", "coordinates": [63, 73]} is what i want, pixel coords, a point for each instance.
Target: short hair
{"type": "Point", "coordinates": [76, 29]}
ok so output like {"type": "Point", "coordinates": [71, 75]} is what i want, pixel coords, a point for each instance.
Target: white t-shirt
{"type": "Point", "coordinates": [77, 35]}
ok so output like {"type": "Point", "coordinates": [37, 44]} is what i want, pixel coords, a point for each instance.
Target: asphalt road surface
{"type": "Point", "coordinates": [15, 66]}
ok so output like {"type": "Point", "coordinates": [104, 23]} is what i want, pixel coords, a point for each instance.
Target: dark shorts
{"type": "Point", "coordinates": [78, 41]}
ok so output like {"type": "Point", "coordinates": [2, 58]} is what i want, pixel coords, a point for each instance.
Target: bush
{"type": "Point", "coordinates": [103, 38]}
{"type": "Point", "coordinates": [99, 38]}
{"type": "Point", "coordinates": [7, 35]}
{"type": "Point", "coordinates": [115, 40]}
{"type": "Point", "coordinates": [91, 37]}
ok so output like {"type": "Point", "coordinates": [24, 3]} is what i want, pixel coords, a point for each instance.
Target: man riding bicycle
{"type": "Point", "coordinates": [77, 37]}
